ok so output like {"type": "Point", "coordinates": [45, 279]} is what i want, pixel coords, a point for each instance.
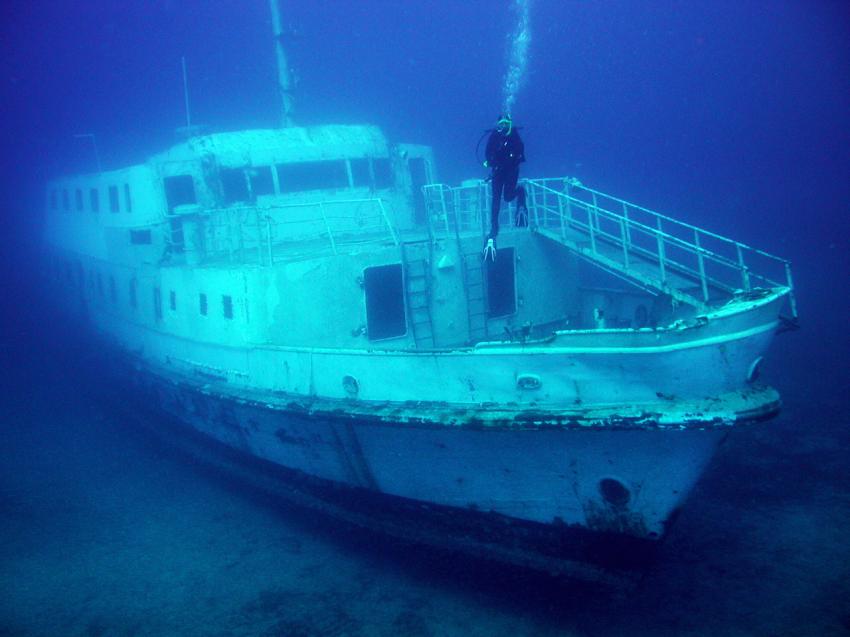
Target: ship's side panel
{"type": "Point", "coordinates": [624, 481]}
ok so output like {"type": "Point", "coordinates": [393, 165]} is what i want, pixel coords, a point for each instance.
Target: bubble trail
{"type": "Point", "coordinates": [517, 56]}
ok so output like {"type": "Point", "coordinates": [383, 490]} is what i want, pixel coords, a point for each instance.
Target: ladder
{"type": "Point", "coordinates": [417, 287]}
{"type": "Point", "coordinates": [472, 268]}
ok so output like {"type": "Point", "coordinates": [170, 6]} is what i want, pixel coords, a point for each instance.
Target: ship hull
{"type": "Point", "coordinates": [621, 476]}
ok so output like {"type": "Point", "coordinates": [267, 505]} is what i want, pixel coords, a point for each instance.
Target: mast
{"type": "Point", "coordinates": [284, 79]}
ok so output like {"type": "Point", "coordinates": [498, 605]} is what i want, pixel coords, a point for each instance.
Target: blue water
{"type": "Point", "coordinates": [733, 116]}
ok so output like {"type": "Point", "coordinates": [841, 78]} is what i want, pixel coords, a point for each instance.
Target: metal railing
{"type": "Point", "coordinates": [694, 265]}
{"type": "Point", "coordinates": [244, 234]}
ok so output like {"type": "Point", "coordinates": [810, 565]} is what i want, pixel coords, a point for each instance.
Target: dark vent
{"type": "Point", "coordinates": [384, 302]}
{"type": "Point", "coordinates": [501, 285]}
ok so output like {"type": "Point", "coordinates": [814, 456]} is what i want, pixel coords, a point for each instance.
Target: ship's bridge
{"type": "Point", "coordinates": [240, 192]}
{"type": "Point", "coordinates": [248, 196]}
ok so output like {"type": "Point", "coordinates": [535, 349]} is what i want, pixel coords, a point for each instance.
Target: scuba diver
{"type": "Point", "coordinates": [505, 152]}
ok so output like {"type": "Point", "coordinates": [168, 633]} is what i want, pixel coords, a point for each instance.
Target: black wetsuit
{"type": "Point", "coordinates": [504, 155]}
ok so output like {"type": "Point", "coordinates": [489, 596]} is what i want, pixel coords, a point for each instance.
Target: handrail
{"type": "Point", "coordinates": [242, 228]}
{"type": "Point", "coordinates": [674, 247]}
{"type": "Point", "coordinates": [577, 184]}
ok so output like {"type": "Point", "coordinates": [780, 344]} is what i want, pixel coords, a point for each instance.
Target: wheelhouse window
{"type": "Point", "coordinates": [312, 175]}
{"type": "Point", "coordinates": [128, 203]}
{"type": "Point", "coordinates": [172, 300]}
{"type": "Point", "coordinates": [383, 173]}
{"type": "Point", "coordinates": [94, 200]}
{"type": "Point", "coordinates": [179, 191]}
{"type": "Point", "coordinates": [113, 199]}
{"type": "Point", "coordinates": [227, 306]}
{"type": "Point", "coordinates": [133, 300]}
{"type": "Point", "coordinates": [372, 173]}
{"type": "Point", "coordinates": [234, 186]}
{"type": "Point", "coordinates": [202, 303]}
{"type": "Point", "coordinates": [78, 199]}
{"type": "Point", "coordinates": [261, 180]}
{"type": "Point", "coordinates": [384, 287]}
{"type": "Point", "coordinates": [53, 200]}
{"type": "Point", "coordinates": [361, 173]}
{"type": "Point", "coordinates": [66, 200]}
{"type": "Point", "coordinates": [501, 284]}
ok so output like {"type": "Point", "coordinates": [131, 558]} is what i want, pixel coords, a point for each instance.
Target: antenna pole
{"type": "Point", "coordinates": [186, 94]}
{"type": "Point", "coordinates": [283, 75]}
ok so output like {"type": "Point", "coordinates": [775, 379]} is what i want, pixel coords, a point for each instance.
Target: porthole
{"type": "Point", "coordinates": [350, 386]}
{"type": "Point", "coordinates": [528, 381]}
{"type": "Point", "coordinates": [614, 492]}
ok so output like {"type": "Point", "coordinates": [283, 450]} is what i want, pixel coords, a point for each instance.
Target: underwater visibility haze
{"type": "Point", "coordinates": [730, 116]}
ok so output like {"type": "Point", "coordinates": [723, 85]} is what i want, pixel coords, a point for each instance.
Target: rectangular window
{"type": "Point", "coordinates": [140, 237]}
{"type": "Point", "coordinates": [78, 199]}
{"type": "Point", "coordinates": [113, 199]}
{"type": "Point", "coordinates": [261, 180]}
{"type": "Point", "coordinates": [113, 295]}
{"type": "Point", "coordinates": [94, 200]}
{"type": "Point", "coordinates": [383, 173]}
{"type": "Point", "coordinates": [133, 301]}
{"type": "Point", "coordinates": [128, 203]}
{"type": "Point", "coordinates": [202, 301]}
{"type": "Point", "coordinates": [312, 175]}
{"type": "Point", "coordinates": [361, 174]}
{"type": "Point", "coordinates": [501, 284]}
{"type": "Point", "coordinates": [233, 185]}
{"type": "Point", "coordinates": [384, 289]}
{"type": "Point", "coordinates": [157, 303]}
{"type": "Point", "coordinates": [375, 173]}
{"type": "Point", "coordinates": [227, 306]}
{"type": "Point", "coordinates": [66, 200]}
{"type": "Point", "coordinates": [172, 300]}
{"type": "Point", "coordinates": [179, 191]}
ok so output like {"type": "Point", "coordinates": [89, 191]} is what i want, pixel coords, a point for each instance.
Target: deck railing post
{"type": "Point", "coordinates": [625, 244]}
{"type": "Point", "coordinates": [745, 275]}
{"type": "Point", "coordinates": [590, 226]}
{"type": "Point", "coordinates": [458, 211]}
{"type": "Point", "coordinates": [444, 208]}
{"type": "Point", "coordinates": [701, 264]}
{"type": "Point", "coordinates": [569, 202]}
{"type": "Point", "coordinates": [327, 226]}
{"type": "Point", "coordinates": [791, 297]}
{"type": "Point", "coordinates": [595, 218]}
{"type": "Point", "coordinates": [628, 235]}
{"type": "Point", "coordinates": [387, 221]}
{"type": "Point", "coordinates": [561, 215]}
{"type": "Point", "coordinates": [661, 252]}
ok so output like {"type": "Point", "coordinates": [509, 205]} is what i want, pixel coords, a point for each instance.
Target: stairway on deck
{"type": "Point", "coordinates": [644, 271]}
